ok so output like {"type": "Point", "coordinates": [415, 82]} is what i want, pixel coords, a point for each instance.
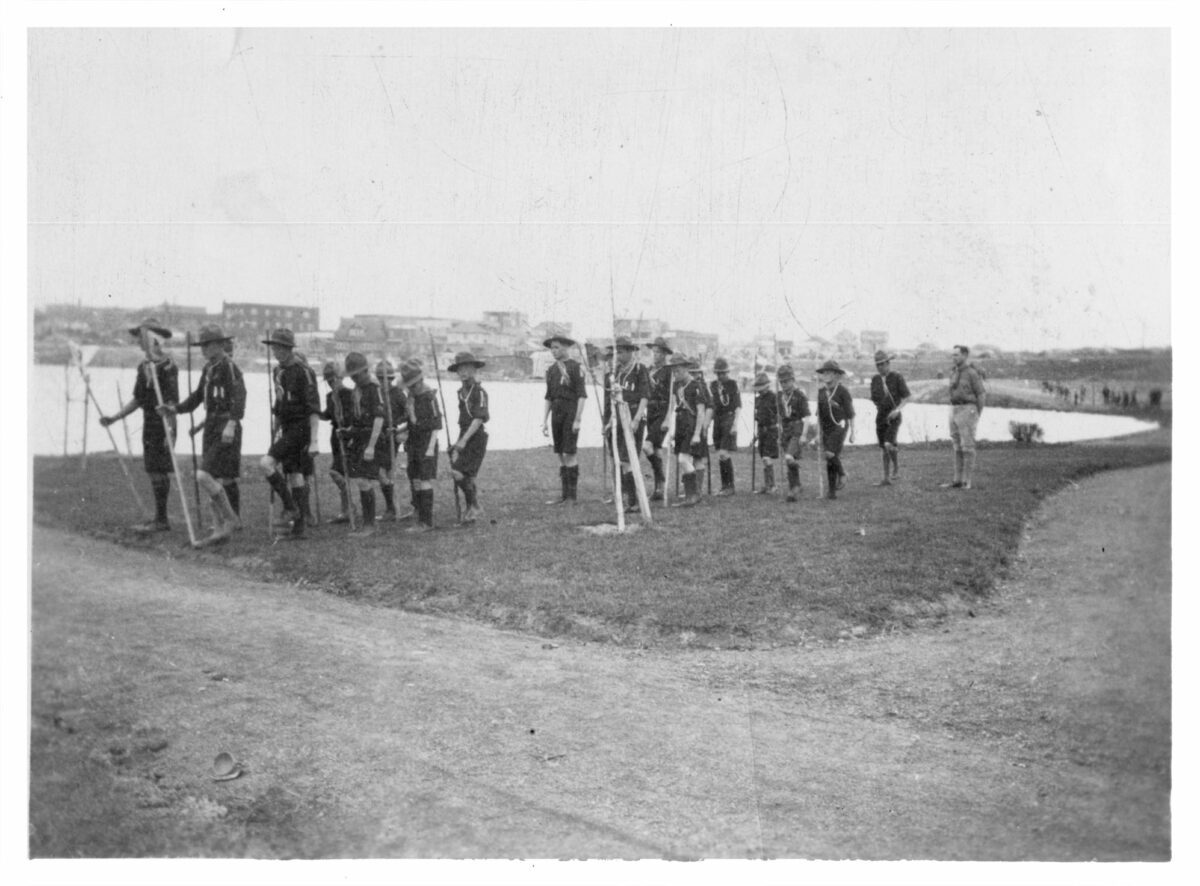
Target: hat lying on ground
{"type": "Point", "coordinates": [282, 337]}
{"type": "Point", "coordinates": [465, 358]}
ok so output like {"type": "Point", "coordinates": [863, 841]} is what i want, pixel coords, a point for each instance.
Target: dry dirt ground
{"type": "Point", "coordinates": [1039, 728]}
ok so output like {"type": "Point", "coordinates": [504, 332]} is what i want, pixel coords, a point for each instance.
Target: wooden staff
{"type": "Point", "coordinates": [120, 458]}
{"type": "Point", "coordinates": [192, 428]}
{"type": "Point", "coordinates": [446, 419]}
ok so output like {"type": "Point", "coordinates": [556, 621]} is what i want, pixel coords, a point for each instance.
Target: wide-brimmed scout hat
{"type": "Point", "coordinates": [830, 366]}
{"type": "Point", "coordinates": [883, 357]}
{"type": "Point", "coordinates": [680, 360]}
{"type": "Point", "coordinates": [331, 368]}
{"type": "Point", "coordinates": [762, 382]}
{"type": "Point", "coordinates": [720, 365]}
{"type": "Point", "coordinates": [660, 344]}
{"type": "Point", "coordinates": [786, 373]}
{"type": "Point", "coordinates": [625, 343]}
{"type": "Point", "coordinates": [282, 337]}
{"type": "Point", "coordinates": [411, 371]}
{"type": "Point", "coordinates": [465, 358]}
{"type": "Point", "coordinates": [153, 325]}
{"type": "Point", "coordinates": [384, 369]}
{"type": "Point", "coordinates": [211, 333]}
{"type": "Point", "coordinates": [569, 342]}
{"type": "Point", "coordinates": [355, 363]}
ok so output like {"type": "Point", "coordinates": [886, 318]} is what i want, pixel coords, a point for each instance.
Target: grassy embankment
{"type": "Point", "coordinates": [734, 572]}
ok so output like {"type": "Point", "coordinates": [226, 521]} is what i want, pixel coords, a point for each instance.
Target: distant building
{"type": "Point", "coordinates": [703, 346]}
{"type": "Point", "coordinates": [248, 321]}
{"type": "Point", "coordinates": [872, 340]}
{"type": "Point", "coordinates": [641, 330]}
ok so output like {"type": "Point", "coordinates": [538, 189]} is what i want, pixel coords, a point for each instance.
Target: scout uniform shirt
{"type": "Point", "coordinates": [424, 421]}
{"type": "Point", "coordinates": [634, 383]}
{"type": "Point", "coordinates": [766, 412]}
{"type": "Point", "coordinates": [792, 410]}
{"type": "Point", "coordinates": [472, 404]}
{"type": "Point", "coordinates": [565, 383]}
{"type": "Point", "coordinates": [222, 389]}
{"type": "Point", "coordinates": [726, 398]}
{"type": "Point", "coordinates": [296, 394]}
{"type": "Point", "coordinates": [147, 397]}
{"type": "Point", "coordinates": [834, 408]}
{"type": "Point", "coordinates": [887, 392]}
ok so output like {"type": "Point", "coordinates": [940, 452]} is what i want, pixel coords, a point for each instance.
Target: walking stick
{"type": "Point", "coordinates": [753, 456]}
{"type": "Point", "coordinates": [670, 447]}
{"type": "Point", "coordinates": [153, 371]}
{"type": "Point", "coordinates": [387, 416]}
{"type": "Point", "coordinates": [117, 449]}
{"type": "Point", "coordinates": [449, 443]}
{"type": "Point", "coordinates": [192, 428]}
{"type": "Point", "coordinates": [339, 420]}
{"type": "Point", "coordinates": [271, 418]}
{"type": "Point", "coordinates": [821, 477]}
{"type": "Point", "coordinates": [599, 412]}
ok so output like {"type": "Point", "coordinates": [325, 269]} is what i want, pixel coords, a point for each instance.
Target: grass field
{"type": "Point", "coordinates": [744, 571]}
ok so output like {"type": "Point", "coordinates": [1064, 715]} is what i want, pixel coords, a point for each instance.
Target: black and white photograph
{"type": "Point", "coordinates": [659, 439]}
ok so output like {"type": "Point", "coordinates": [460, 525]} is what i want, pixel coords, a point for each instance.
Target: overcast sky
{"type": "Point", "coordinates": [1009, 187]}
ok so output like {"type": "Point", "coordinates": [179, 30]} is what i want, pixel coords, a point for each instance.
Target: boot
{"type": "Point", "coordinates": [968, 469]}
{"type": "Point", "coordinates": [564, 479]}
{"type": "Point", "coordinates": [234, 494]}
{"type": "Point", "coordinates": [793, 472]}
{"type": "Point", "coordinates": [389, 503]}
{"type": "Point", "coordinates": [689, 490]}
{"type": "Point", "coordinates": [573, 483]}
{"type": "Point", "coordinates": [300, 497]}
{"type": "Point", "coordinates": [425, 509]}
{"type": "Point", "coordinates": [831, 480]}
{"type": "Point", "coordinates": [366, 498]}
{"type": "Point", "coordinates": [768, 480]}
{"type": "Point", "coordinates": [344, 495]}
{"type": "Point", "coordinates": [656, 465]}
{"type": "Point", "coordinates": [628, 493]}
{"type": "Point", "coordinates": [726, 468]}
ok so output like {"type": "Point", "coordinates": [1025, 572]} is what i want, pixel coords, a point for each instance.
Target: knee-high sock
{"type": "Point", "coordinates": [162, 490]}
{"type": "Point", "coordinates": [367, 498]}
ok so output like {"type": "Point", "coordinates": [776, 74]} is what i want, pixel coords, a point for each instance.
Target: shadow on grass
{"type": "Point", "coordinates": [736, 572]}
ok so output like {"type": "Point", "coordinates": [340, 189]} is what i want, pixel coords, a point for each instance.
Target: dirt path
{"type": "Point", "coordinates": [1038, 729]}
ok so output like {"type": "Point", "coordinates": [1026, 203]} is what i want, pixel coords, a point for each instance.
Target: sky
{"type": "Point", "coordinates": [1001, 186]}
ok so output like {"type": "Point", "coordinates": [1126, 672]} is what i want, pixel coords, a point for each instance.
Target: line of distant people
{"type": "Point", "coordinates": [1124, 398]}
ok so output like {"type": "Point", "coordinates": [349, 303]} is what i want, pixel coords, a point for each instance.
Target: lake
{"type": "Point", "coordinates": [517, 416]}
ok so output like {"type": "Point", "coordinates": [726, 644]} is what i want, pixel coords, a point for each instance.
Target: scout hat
{"type": "Point", "coordinates": [153, 325]}
{"type": "Point", "coordinates": [625, 343]}
{"type": "Point", "coordinates": [883, 357]}
{"type": "Point", "coordinates": [569, 342]}
{"type": "Point", "coordinates": [282, 337]}
{"type": "Point", "coordinates": [720, 365]}
{"type": "Point", "coordinates": [465, 358]}
{"type": "Point", "coordinates": [660, 344]}
{"type": "Point", "coordinates": [211, 333]}
{"type": "Point", "coordinates": [411, 371]}
{"type": "Point", "coordinates": [762, 382]}
{"type": "Point", "coordinates": [331, 369]}
{"type": "Point", "coordinates": [831, 366]}
{"type": "Point", "coordinates": [355, 363]}
{"type": "Point", "coordinates": [384, 369]}
{"type": "Point", "coordinates": [680, 360]}
{"type": "Point", "coordinates": [786, 373]}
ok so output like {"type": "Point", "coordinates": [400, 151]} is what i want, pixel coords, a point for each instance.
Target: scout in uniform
{"type": "Point", "coordinates": [339, 403]}
{"type": "Point", "coordinates": [395, 416]}
{"type": "Point", "coordinates": [156, 457]}
{"type": "Point", "coordinates": [689, 417]}
{"type": "Point", "coordinates": [297, 409]}
{"type": "Point", "coordinates": [766, 423]}
{"type": "Point", "coordinates": [727, 408]}
{"type": "Point", "coordinates": [629, 380]}
{"type": "Point", "coordinates": [657, 405]}
{"type": "Point", "coordinates": [466, 455]}
{"type": "Point", "coordinates": [364, 428]}
{"type": "Point", "coordinates": [565, 393]}
{"type": "Point", "coordinates": [700, 458]}
{"type": "Point", "coordinates": [967, 396]}
{"type": "Point", "coordinates": [222, 390]}
{"type": "Point", "coordinates": [794, 425]}
{"type": "Point", "coordinates": [889, 393]}
{"type": "Point", "coordinates": [424, 421]}
{"type": "Point", "coordinates": [835, 412]}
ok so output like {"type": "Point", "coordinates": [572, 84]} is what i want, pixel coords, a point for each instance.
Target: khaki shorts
{"type": "Point", "coordinates": [964, 418]}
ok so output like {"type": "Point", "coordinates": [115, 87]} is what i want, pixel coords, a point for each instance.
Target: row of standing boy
{"type": "Point", "coordinates": [368, 428]}
{"type": "Point", "coordinates": [670, 397]}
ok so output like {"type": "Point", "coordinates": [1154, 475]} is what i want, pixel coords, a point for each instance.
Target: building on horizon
{"type": "Point", "coordinates": [247, 322]}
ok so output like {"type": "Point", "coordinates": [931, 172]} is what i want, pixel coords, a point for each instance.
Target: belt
{"type": "Point", "coordinates": [964, 403]}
